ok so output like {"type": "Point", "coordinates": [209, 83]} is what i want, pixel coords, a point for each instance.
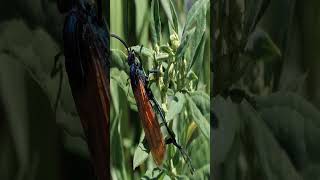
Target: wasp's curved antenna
{"type": "Point", "coordinates": [121, 40]}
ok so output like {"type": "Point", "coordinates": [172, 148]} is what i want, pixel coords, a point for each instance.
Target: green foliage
{"type": "Point", "coordinates": [179, 87]}
{"type": "Point", "coordinates": [267, 126]}
{"type": "Point", "coordinates": [30, 125]}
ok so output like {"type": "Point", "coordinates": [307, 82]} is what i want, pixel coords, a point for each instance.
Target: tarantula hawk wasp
{"type": "Point", "coordinates": [147, 103]}
{"type": "Point", "coordinates": [86, 52]}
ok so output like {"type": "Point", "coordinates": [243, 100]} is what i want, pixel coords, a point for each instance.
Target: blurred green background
{"type": "Point", "coordinates": [266, 89]}
{"type": "Point", "coordinates": [35, 141]}
{"type": "Point", "coordinates": [134, 21]}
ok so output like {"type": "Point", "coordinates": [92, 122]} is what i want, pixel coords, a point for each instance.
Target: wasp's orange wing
{"type": "Point", "coordinates": [93, 104]}
{"type": "Point", "coordinates": [150, 124]}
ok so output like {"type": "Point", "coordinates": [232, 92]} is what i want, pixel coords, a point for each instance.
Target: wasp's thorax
{"type": "Point", "coordinates": [131, 58]}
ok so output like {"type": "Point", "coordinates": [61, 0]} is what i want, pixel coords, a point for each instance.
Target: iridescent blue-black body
{"type": "Point", "coordinates": [73, 47]}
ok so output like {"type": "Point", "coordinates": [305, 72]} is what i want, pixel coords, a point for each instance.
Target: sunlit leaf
{"type": "Point", "coordinates": [198, 117]}
{"type": "Point", "coordinates": [119, 60]}
{"type": "Point", "coordinates": [202, 100]}
{"type": "Point", "coordinates": [141, 154]}
{"type": "Point", "coordinates": [184, 45]}
{"type": "Point", "coordinates": [197, 8]}
{"type": "Point", "coordinates": [175, 106]}
{"type": "Point", "coordinates": [155, 22]}
{"type": "Point", "coordinates": [198, 53]}
{"type": "Point", "coordinates": [174, 17]}
{"type": "Point", "coordinates": [155, 173]}
{"type": "Point", "coordinates": [144, 51]}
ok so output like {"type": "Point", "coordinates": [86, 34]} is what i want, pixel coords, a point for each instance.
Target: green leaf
{"type": "Point", "coordinates": [141, 153]}
{"type": "Point", "coordinates": [175, 106]}
{"type": "Point", "coordinates": [273, 162]}
{"type": "Point", "coordinates": [155, 22]}
{"type": "Point", "coordinates": [143, 51]}
{"type": "Point", "coordinates": [198, 117]}
{"type": "Point", "coordinates": [119, 60]}
{"type": "Point", "coordinates": [29, 121]}
{"type": "Point", "coordinates": [291, 129]}
{"type": "Point", "coordinates": [155, 173]}
{"type": "Point", "coordinates": [166, 48]}
{"type": "Point", "coordinates": [174, 17]}
{"type": "Point", "coordinates": [198, 36]}
{"type": "Point", "coordinates": [197, 8]}
{"type": "Point", "coordinates": [198, 54]}
{"type": "Point", "coordinates": [293, 101]}
{"type": "Point", "coordinates": [197, 14]}
{"type": "Point", "coordinates": [229, 125]}
{"type": "Point", "coordinates": [201, 172]}
{"type": "Point", "coordinates": [162, 57]}
{"type": "Point", "coordinates": [184, 45]}
{"type": "Point", "coordinates": [191, 132]}
{"type": "Point", "coordinates": [202, 100]}
{"type": "Point", "coordinates": [295, 122]}
{"type": "Point", "coordinates": [114, 91]}
{"type": "Point", "coordinates": [121, 79]}
{"type": "Point", "coordinates": [171, 14]}
{"type": "Point", "coordinates": [117, 158]}
{"type": "Point", "coordinates": [166, 177]}
{"type": "Point", "coordinates": [255, 9]}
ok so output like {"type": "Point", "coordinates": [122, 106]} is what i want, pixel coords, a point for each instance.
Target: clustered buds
{"type": "Point", "coordinates": [174, 40]}
{"type": "Point", "coordinates": [172, 71]}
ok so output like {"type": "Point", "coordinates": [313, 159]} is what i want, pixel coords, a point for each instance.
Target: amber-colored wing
{"type": "Point", "coordinates": [93, 104]}
{"type": "Point", "coordinates": [150, 124]}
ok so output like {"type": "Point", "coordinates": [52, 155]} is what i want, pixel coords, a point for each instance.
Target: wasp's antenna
{"type": "Point", "coordinates": [121, 40]}
{"type": "Point", "coordinates": [185, 156]}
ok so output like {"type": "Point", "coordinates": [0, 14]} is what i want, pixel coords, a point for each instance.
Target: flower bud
{"type": "Point", "coordinates": [175, 42]}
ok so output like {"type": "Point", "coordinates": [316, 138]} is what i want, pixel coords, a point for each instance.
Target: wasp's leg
{"type": "Point", "coordinates": [160, 111]}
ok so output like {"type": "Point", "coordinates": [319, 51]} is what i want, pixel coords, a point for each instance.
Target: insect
{"type": "Point", "coordinates": [86, 51]}
{"type": "Point", "coordinates": [147, 105]}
